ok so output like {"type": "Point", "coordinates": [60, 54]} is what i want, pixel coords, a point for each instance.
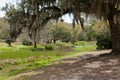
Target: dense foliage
{"type": "Point", "coordinates": [49, 47]}
{"type": "Point", "coordinates": [60, 32]}
{"type": "Point", "coordinates": [104, 41]}
{"type": "Point", "coordinates": [26, 43]}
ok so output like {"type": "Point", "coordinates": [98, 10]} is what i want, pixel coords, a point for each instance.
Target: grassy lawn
{"type": "Point", "coordinates": [19, 58]}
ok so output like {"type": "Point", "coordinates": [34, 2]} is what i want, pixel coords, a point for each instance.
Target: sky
{"type": "Point", "coordinates": [67, 18]}
{"type": "Point", "coordinates": [2, 4]}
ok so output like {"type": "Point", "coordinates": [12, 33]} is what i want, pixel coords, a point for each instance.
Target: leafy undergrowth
{"type": "Point", "coordinates": [18, 58]}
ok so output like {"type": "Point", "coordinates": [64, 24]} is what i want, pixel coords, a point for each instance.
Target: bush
{"type": "Point", "coordinates": [26, 43]}
{"type": "Point", "coordinates": [104, 42]}
{"type": "Point", "coordinates": [49, 47]}
{"type": "Point", "coordinates": [9, 41]}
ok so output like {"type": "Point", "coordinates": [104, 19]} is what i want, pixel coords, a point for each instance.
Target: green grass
{"type": "Point", "coordinates": [19, 58]}
{"type": "Point", "coordinates": [85, 48]}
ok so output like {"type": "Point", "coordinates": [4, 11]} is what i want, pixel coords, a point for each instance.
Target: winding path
{"type": "Point", "coordinates": [87, 67]}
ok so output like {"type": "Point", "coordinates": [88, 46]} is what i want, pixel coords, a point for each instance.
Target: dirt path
{"type": "Point", "coordinates": [86, 67]}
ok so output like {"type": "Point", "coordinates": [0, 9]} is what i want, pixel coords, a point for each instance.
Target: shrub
{"type": "Point", "coordinates": [49, 47]}
{"type": "Point", "coordinates": [8, 41]}
{"type": "Point", "coordinates": [26, 43]}
{"type": "Point", "coordinates": [104, 41]}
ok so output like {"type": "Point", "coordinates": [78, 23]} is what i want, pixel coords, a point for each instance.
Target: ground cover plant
{"type": "Point", "coordinates": [20, 58]}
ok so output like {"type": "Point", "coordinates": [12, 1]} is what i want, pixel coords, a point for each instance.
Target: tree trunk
{"type": "Point", "coordinates": [115, 35]}
{"type": "Point", "coordinates": [35, 44]}
{"type": "Point", "coordinates": [54, 40]}
{"type": "Point", "coordinates": [9, 44]}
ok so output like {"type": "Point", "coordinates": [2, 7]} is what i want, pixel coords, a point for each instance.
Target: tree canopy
{"type": "Point", "coordinates": [36, 13]}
